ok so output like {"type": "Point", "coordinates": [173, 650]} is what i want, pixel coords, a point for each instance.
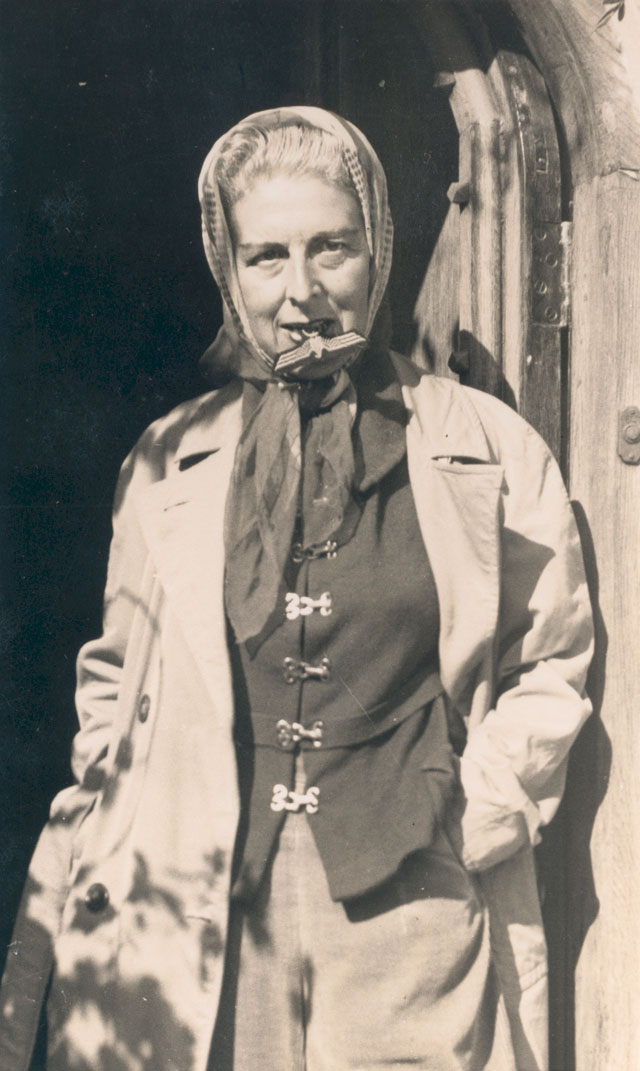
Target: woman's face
{"type": "Point", "coordinates": [302, 260]}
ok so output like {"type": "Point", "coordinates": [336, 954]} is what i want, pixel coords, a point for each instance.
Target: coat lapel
{"type": "Point", "coordinates": [457, 502]}
{"type": "Point", "coordinates": [182, 518]}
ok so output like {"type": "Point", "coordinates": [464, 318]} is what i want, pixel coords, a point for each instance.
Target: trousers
{"type": "Point", "coordinates": [399, 978]}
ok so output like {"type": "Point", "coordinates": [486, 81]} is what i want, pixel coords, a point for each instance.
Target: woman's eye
{"type": "Point", "coordinates": [267, 256]}
{"type": "Point", "coordinates": [332, 251]}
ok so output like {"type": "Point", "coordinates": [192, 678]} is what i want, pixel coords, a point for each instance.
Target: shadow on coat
{"type": "Point", "coordinates": [96, 1018]}
{"type": "Point", "coordinates": [147, 1035]}
{"type": "Point", "coordinates": [570, 900]}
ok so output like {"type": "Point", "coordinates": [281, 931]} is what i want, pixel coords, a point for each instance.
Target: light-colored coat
{"type": "Point", "coordinates": [153, 818]}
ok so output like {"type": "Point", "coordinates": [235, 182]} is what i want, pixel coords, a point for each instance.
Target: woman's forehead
{"type": "Point", "coordinates": [282, 207]}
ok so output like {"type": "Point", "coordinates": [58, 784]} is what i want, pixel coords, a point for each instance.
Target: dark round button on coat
{"type": "Point", "coordinates": [144, 707]}
{"type": "Point", "coordinates": [97, 897]}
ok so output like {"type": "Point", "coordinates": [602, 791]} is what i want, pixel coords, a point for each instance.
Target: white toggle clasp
{"type": "Point", "coordinates": [288, 800]}
{"type": "Point", "coordinates": [303, 605]}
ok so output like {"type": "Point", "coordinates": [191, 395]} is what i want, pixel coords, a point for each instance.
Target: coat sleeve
{"type": "Point", "coordinates": [513, 767]}
{"type": "Point", "coordinates": [100, 664]}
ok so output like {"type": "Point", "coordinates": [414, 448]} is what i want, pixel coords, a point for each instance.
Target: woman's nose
{"type": "Point", "coordinates": [301, 282]}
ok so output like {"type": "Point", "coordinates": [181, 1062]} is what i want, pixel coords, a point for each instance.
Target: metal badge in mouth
{"type": "Point", "coordinates": [318, 356]}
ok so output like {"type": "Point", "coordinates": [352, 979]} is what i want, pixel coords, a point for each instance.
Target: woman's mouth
{"type": "Point", "coordinates": [300, 330]}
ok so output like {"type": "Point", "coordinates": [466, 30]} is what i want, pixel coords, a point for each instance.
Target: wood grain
{"type": "Point", "coordinates": [605, 378]}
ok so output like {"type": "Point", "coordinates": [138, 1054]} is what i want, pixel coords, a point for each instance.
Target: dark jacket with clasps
{"type": "Point", "coordinates": [344, 665]}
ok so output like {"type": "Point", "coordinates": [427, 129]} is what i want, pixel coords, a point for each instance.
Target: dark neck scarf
{"type": "Point", "coordinates": [279, 484]}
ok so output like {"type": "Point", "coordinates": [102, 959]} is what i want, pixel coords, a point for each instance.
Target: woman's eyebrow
{"type": "Point", "coordinates": [256, 247]}
{"type": "Point", "coordinates": [342, 232]}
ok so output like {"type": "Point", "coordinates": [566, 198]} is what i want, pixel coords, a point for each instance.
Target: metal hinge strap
{"type": "Point", "coordinates": [550, 303]}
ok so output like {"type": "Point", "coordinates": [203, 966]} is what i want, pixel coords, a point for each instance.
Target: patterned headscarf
{"type": "Point", "coordinates": [268, 482]}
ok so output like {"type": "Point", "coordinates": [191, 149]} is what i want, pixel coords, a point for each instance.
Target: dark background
{"type": "Point", "coordinates": [108, 109]}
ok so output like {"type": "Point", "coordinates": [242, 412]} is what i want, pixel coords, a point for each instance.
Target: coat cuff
{"type": "Point", "coordinates": [493, 817]}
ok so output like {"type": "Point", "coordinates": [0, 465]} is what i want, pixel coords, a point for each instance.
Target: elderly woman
{"type": "Point", "coordinates": [346, 635]}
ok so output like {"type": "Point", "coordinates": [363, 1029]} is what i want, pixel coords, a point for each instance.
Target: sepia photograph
{"type": "Point", "coordinates": [320, 525]}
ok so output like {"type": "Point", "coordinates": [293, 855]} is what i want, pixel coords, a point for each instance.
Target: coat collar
{"type": "Point", "coordinates": [214, 423]}
{"type": "Point", "coordinates": [441, 414]}
{"type": "Point", "coordinates": [438, 409]}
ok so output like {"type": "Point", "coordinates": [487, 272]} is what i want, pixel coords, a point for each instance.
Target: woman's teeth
{"type": "Point", "coordinates": [301, 331]}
